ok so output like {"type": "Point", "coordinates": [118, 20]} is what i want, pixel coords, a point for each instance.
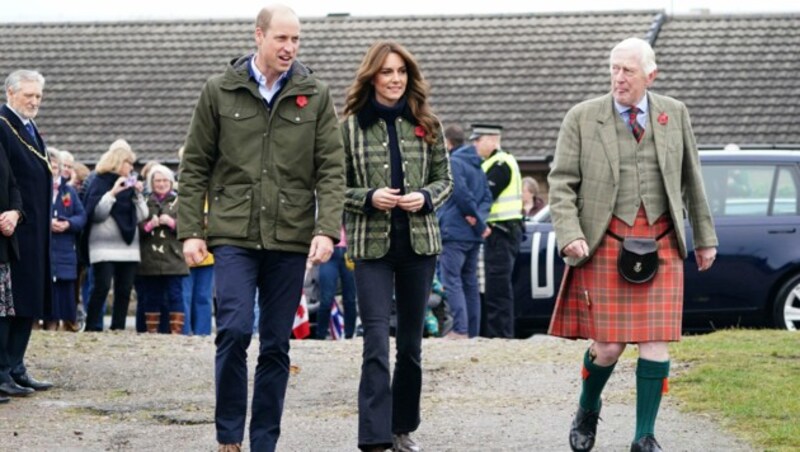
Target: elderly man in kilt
{"type": "Point", "coordinates": [626, 165]}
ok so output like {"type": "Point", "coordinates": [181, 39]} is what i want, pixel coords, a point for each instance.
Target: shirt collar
{"type": "Point", "coordinates": [643, 106]}
{"type": "Point", "coordinates": [261, 79]}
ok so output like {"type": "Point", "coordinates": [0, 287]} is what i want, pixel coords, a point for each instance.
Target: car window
{"type": "Point", "coordinates": [745, 190]}
{"type": "Point", "coordinates": [786, 193]}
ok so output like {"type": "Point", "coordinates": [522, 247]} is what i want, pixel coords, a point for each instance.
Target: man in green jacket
{"type": "Point", "coordinates": [264, 147]}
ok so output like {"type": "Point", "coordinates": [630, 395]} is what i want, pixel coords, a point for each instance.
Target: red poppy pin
{"type": "Point", "coordinates": [301, 101]}
{"type": "Point", "coordinates": [419, 131]}
{"type": "Point", "coordinates": [66, 200]}
{"type": "Point", "coordinates": [663, 119]}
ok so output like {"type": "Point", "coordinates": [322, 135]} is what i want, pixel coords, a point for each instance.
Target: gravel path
{"type": "Point", "coordinates": [122, 391]}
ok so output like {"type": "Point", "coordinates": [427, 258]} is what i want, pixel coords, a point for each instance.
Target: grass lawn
{"type": "Point", "coordinates": [748, 379]}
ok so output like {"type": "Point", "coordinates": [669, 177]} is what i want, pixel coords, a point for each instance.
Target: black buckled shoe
{"type": "Point", "coordinates": [26, 381]}
{"type": "Point", "coordinates": [403, 443]}
{"type": "Point", "coordinates": [646, 443]}
{"type": "Point", "coordinates": [12, 389]}
{"type": "Point", "coordinates": [584, 430]}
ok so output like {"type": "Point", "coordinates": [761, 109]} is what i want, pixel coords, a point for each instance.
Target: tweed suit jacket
{"type": "Point", "coordinates": [584, 180]}
{"type": "Point", "coordinates": [425, 168]}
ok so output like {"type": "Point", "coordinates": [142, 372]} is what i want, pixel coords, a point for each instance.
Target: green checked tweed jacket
{"type": "Point", "coordinates": [425, 168]}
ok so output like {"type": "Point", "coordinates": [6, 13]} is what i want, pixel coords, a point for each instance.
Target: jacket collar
{"type": "Point", "coordinates": [368, 115]}
{"type": "Point", "coordinates": [237, 76]}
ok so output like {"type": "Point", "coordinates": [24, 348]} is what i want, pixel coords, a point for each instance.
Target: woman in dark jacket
{"type": "Point", "coordinates": [114, 208]}
{"type": "Point", "coordinates": [10, 215]}
{"type": "Point", "coordinates": [66, 224]}
{"type": "Point", "coordinates": [163, 267]}
{"type": "Point", "coordinates": [397, 175]}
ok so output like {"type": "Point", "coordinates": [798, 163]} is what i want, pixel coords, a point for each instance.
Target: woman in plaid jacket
{"type": "Point", "coordinates": [398, 174]}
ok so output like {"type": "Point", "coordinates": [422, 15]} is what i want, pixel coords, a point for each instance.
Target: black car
{"type": "Point", "coordinates": [755, 281]}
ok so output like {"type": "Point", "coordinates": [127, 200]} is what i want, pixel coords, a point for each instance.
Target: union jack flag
{"type": "Point", "coordinates": [336, 324]}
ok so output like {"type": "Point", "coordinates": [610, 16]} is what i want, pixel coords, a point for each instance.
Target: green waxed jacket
{"type": "Point", "coordinates": [274, 177]}
{"type": "Point", "coordinates": [425, 168]}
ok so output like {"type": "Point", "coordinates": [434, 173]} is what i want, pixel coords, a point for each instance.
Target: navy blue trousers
{"type": "Point", "coordinates": [330, 273]}
{"type": "Point", "coordinates": [279, 278]}
{"type": "Point", "coordinates": [162, 293]}
{"type": "Point", "coordinates": [458, 268]}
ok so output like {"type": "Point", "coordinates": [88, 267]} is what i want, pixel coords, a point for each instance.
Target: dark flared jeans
{"type": "Point", "coordinates": [391, 405]}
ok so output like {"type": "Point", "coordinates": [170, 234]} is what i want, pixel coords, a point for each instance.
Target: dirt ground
{"type": "Point", "coordinates": [123, 391]}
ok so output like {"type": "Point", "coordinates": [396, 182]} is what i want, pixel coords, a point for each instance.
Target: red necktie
{"type": "Point", "coordinates": [636, 128]}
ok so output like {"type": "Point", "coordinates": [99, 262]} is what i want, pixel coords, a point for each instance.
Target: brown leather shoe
{"type": "Point", "coordinates": [403, 443]}
{"type": "Point", "coordinates": [230, 448]}
{"type": "Point", "coordinates": [71, 327]}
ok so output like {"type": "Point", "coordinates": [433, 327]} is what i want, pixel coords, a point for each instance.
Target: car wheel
{"type": "Point", "coordinates": [786, 311]}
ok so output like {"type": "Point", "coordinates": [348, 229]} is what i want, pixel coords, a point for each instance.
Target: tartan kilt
{"type": "Point", "coordinates": [595, 302]}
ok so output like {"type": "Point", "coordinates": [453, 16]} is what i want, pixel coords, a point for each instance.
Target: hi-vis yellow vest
{"type": "Point", "coordinates": [507, 206]}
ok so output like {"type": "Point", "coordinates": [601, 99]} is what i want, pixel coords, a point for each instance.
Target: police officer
{"type": "Point", "coordinates": [505, 220]}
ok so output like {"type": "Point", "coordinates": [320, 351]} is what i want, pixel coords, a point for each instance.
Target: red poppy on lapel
{"type": "Point", "coordinates": [66, 200]}
{"type": "Point", "coordinates": [663, 119]}
{"type": "Point", "coordinates": [419, 131]}
{"type": "Point", "coordinates": [301, 101]}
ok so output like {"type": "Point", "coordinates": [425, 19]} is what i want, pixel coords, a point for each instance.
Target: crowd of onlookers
{"type": "Point", "coordinates": [115, 228]}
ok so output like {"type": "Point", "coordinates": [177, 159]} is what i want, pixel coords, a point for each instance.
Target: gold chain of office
{"type": "Point", "coordinates": [30, 148]}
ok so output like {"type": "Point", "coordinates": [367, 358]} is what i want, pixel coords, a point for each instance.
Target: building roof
{"type": "Point", "coordinates": [738, 75]}
{"type": "Point", "coordinates": [140, 80]}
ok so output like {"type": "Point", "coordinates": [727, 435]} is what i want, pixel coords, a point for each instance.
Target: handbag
{"type": "Point", "coordinates": [637, 262]}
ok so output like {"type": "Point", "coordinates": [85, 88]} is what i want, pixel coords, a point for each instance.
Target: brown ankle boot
{"type": "Point", "coordinates": [51, 325]}
{"type": "Point", "coordinates": [69, 326]}
{"type": "Point", "coordinates": [176, 322]}
{"type": "Point", "coordinates": [152, 319]}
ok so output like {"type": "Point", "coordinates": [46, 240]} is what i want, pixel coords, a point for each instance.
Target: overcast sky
{"type": "Point", "coordinates": [98, 10]}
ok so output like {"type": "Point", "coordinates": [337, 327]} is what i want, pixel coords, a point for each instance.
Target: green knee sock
{"type": "Point", "coordinates": [651, 383]}
{"type": "Point", "coordinates": [594, 380]}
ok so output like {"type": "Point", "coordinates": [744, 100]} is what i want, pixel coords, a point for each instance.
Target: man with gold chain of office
{"type": "Point", "coordinates": [505, 220]}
